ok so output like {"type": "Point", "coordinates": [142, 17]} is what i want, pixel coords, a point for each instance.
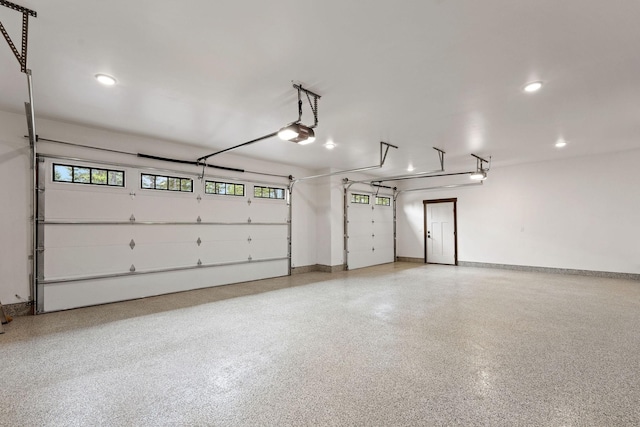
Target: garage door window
{"type": "Point", "coordinates": [360, 198]}
{"type": "Point", "coordinates": [88, 175]}
{"type": "Point", "coordinates": [169, 183]}
{"type": "Point", "coordinates": [383, 201]}
{"type": "Point", "coordinates": [268, 192]}
{"type": "Point", "coordinates": [224, 188]}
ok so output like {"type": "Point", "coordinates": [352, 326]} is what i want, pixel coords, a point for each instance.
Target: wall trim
{"type": "Point", "coordinates": [317, 267]}
{"type": "Point", "coordinates": [410, 259]}
{"type": "Point", "coordinates": [592, 273]}
{"type": "Point", "coordinates": [18, 309]}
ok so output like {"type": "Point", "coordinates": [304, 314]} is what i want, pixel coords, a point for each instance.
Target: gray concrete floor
{"type": "Point", "coordinates": [399, 344]}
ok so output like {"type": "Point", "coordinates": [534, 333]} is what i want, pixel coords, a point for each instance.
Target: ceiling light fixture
{"type": "Point", "coordinates": [106, 79]}
{"type": "Point", "coordinates": [410, 168]}
{"type": "Point", "coordinates": [479, 175]}
{"type": "Point", "coordinates": [298, 133]}
{"type": "Point", "coordinates": [330, 145]}
{"type": "Point", "coordinates": [561, 143]}
{"type": "Point", "coordinates": [533, 87]}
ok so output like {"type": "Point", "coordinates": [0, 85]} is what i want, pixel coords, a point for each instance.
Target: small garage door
{"type": "Point", "coordinates": [113, 233]}
{"type": "Point", "coordinates": [369, 229]}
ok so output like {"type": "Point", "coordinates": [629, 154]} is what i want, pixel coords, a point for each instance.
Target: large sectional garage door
{"type": "Point", "coordinates": [369, 229]}
{"type": "Point", "coordinates": [131, 233]}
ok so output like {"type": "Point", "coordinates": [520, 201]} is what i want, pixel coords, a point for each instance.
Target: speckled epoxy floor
{"type": "Point", "coordinates": [402, 344]}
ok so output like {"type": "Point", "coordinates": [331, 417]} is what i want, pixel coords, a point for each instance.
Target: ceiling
{"type": "Point", "coordinates": [415, 74]}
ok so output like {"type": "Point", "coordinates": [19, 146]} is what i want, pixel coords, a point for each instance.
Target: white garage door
{"type": "Point", "coordinates": [113, 233]}
{"type": "Point", "coordinates": [369, 229]}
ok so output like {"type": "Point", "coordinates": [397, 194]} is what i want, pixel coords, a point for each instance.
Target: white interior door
{"type": "Point", "coordinates": [441, 238]}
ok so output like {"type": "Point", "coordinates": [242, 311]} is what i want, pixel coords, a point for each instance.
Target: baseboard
{"type": "Point", "coordinates": [317, 267]}
{"type": "Point", "coordinates": [592, 273]}
{"type": "Point", "coordinates": [18, 309]}
{"type": "Point", "coordinates": [410, 259]}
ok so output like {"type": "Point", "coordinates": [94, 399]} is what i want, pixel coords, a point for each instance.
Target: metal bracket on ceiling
{"type": "Point", "coordinates": [480, 163]}
{"type": "Point", "coordinates": [440, 156]}
{"type": "Point", "coordinates": [313, 105]}
{"type": "Point", "coordinates": [22, 55]}
{"type": "Point", "coordinates": [386, 146]}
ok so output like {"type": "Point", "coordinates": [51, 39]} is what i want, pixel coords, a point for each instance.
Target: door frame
{"type": "Point", "coordinates": [455, 225]}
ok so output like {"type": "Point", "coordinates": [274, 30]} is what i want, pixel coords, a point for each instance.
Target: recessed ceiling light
{"type": "Point", "coordinates": [106, 79]}
{"type": "Point", "coordinates": [330, 145]}
{"type": "Point", "coordinates": [411, 168]}
{"type": "Point", "coordinates": [533, 87]}
{"type": "Point", "coordinates": [561, 143]}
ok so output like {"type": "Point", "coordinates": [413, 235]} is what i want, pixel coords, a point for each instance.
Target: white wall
{"type": "Point", "coordinates": [581, 213]}
{"type": "Point", "coordinates": [15, 202]}
{"type": "Point", "coordinates": [330, 230]}
{"type": "Point", "coordinates": [15, 243]}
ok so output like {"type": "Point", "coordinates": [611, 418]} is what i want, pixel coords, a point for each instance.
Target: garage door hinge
{"type": "Point", "coordinates": [249, 259]}
{"type": "Point", "coordinates": [373, 249]}
{"type": "Point", "coordinates": [199, 241]}
{"type": "Point", "coordinates": [199, 198]}
{"type": "Point", "coordinates": [199, 262]}
{"type": "Point", "coordinates": [249, 220]}
{"type": "Point", "coordinates": [199, 220]}
{"type": "Point", "coordinates": [249, 202]}
{"type": "Point", "coordinates": [132, 218]}
{"type": "Point", "coordinates": [132, 244]}
{"type": "Point", "coordinates": [132, 268]}
{"type": "Point", "coordinates": [249, 239]}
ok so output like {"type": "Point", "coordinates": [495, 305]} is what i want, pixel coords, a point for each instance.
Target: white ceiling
{"type": "Point", "coordinates": [416, 74]}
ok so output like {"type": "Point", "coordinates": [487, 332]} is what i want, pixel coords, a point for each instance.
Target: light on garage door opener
{"type": "Point", "coordinates": [297, 132]}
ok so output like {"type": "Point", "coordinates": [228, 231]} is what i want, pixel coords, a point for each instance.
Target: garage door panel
{"type": "Point", "coordinates": [360, 259]}
{"type": "Point", "coordinates": [384, 235]}
{"type": "Point", "coordinates": [213, 252]}
{"type": "Point", "coordinates": [161, 255]}
{"type": "Point", "coordinates": [84, 235]}
{"type": "Point", "coordinates": [268, 248]}
{"type": "Point", "coordinates": [151, 234]}
{"type": "Point", "coordinates": [359, 228]}
{"type": "Point", "coordinates": [222, 233]}
{"type": "Point", "coordinates": [383, 214]}
{"type": "Point", "coordinates": [224, 209]}
{"type": "Point", "coordinates": [360, 243]}
{"type": "Point", "coordinates": [268, 211]}
{"type": "Point", "coordinates": [63, 296]}
{"type": "Point", "coordinates": [166, 207]}
{"type": "Point", "coordinates": [62, 204]}
{"type": "Point", "coordinates": [79, 261]}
